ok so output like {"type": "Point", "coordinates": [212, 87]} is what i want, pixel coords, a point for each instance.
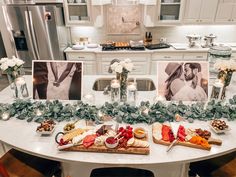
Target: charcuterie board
{"type": "Point", "coordinates": [189, 138]}
{"type": "Point", "coordinates": [125, 140]}
{"type": "Point", "coordinates": [104, 149]}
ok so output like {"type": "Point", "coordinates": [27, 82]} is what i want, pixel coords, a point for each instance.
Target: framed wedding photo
{"type": "Point", "coordinates": [183, 80]}
{"type": "Point", "coordinates": [57, 80]}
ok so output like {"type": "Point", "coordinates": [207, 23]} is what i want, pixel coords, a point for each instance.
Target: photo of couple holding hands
{"type": "Point", "coordinates": [57, 80]}
{"type": "Point", "coordinates": [183, 81]}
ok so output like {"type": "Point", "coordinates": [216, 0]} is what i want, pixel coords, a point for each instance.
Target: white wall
{"type": "Point", "coordinates": [224, 33]}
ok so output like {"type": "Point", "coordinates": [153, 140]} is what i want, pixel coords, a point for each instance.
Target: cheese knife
{"type": "Point", "coordinates": [174, 129]}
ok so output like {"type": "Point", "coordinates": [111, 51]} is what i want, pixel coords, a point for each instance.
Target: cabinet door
{"type": "Point", "coordinates": [233, 56]}
{"type": "Point", "coordinates": [167, 56]}
{"type": "Point", "coordinates": [88, 59]}
{"type": "Point", "coordinates": [195, 56]}
{"type": "Point", "coordinates": [169, 11]}
{"type": "Point", "coordinates": [77, 13]}
{"type": "Point", "coordinates": [207, 15]}
{"type": "Point", "coordinates": [233, 17]}
{"type": "Point", "coordinates": [224, 12]}
{"type": "Point", "coordinates": [154, 67]}
{"type": "Point", "coordinates": [89, 68]}
{"type": "Point", "coordinates": [192, 10]}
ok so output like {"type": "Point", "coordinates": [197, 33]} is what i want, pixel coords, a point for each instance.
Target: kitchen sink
{"type": "Point", "coordinates": [143, 84]}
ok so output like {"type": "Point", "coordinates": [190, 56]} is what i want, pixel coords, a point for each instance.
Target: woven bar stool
{"type": "Point", "coordinates": [18, 164]}
{"type": "Point", "coordinates": [120, 172]}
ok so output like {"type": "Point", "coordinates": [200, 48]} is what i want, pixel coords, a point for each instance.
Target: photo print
{"type": "Point", "coordinates": [183, 81]}
{"type": "Point", "coordinates": [60, 80]}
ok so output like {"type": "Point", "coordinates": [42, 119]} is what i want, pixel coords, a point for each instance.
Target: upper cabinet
{"type": "Point", "coordinates": [164, 12]}
{"type": "Point", "coordinates": [226, 12]}
{"type": "Point", "coordinates": [200, 11]}
{"type": "Point", "coordinates": [84, 12]}
{"type": "Point", "coordinates": [78, 12]}
{"type": "Point", "coordinates": [169, 11]}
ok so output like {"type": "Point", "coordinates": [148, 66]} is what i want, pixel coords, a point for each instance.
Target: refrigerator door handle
{"type": "Point", "coordinates": [10, 32]}
{"type": "Point", "coordinates": [33, 35]}
{"type": "Point", "coordinates": [29, 31]}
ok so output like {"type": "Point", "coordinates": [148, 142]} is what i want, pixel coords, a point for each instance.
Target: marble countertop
{"type": "Point", "coordinates": [171, 49]}
{"type": "Point", "coordinates": [22, 135]}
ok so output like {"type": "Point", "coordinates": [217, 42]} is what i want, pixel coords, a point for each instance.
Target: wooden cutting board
{"type": "Point", "coordinates": [187, 144]}
{"type": "Point", "coordinates": [104, 149]}
{"type": "Point", "coordinates": [93, 148]}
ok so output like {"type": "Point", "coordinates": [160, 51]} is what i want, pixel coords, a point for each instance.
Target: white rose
{"type": "Point", "coordinates": [19, 62]}
{"type": "Point", "coordinates": [4, 66]}
{"type": "Point", "coordinates": [129, 66]}
{"type": "Point", "coordinates": [127, 60]}
{"type": "Point", "coordinates": [3, 60]}
{"type": "Point", "coordinates": [11, 63]}
{"type": "Point", "coordinates": [114, 65]}
{"type": "Point", "coordinates": [119, 69]}
{"type": "Point", "coordinates": [122, 63]}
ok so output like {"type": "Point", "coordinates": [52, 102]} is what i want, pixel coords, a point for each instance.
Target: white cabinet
{"type": "Point", "coordinates": [156, 56]}
{"type": "Point", "coordinates": [165, 12]}
{"type": "Point", "coordinates": [176, 56]}
{"type": "Point", "coordinates": [226, 12]}
{"type": "Point", "coordinates": [200, 11]}
{"type": "Point", "coordinates": [77, 12]}
{"type": "Point", "coordinates": [197, 56]}
{"type": "Point", "coordinates": [233, 56]}
{"type": "Point", "coordinates": [140, 60]}
{"type": "Point", "coordinates": [88, 59]}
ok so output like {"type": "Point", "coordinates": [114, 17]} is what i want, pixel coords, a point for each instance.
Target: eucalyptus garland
{"type": "Point", "coordinates": [144, 113]}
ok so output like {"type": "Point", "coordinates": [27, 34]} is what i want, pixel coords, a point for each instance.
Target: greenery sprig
{"type": "Point", "coordinates": [144, 113]}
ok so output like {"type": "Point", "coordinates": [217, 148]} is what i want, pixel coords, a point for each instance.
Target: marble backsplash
{"type": "Point", "coordinates": [224, 33]}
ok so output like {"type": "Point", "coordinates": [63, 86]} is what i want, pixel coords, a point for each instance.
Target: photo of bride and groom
{"type": "Point", "coordinates": [183, 81]}
{"type": "Point", "coordinates": [57, 80]}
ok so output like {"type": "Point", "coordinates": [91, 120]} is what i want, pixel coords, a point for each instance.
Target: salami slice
{"type": "Point", "coordinates": [89, 140]}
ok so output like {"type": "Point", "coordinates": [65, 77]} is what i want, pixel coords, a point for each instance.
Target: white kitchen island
{"type": "Point", "coordinates": [22, 136]}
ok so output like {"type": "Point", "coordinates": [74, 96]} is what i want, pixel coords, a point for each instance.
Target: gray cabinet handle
{"type": "Point", "coordinates": [199, 56]}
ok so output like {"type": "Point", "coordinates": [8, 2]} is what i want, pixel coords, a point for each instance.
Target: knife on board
{"type": "Point", "coordinates": [174, 128]}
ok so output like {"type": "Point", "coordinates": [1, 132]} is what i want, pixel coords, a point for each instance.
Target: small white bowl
{"type": "Point", "coordinates": [111, 146]}
{"type": "Point", "coordinates": [139, 135]}
{"type": "Point", "coordinates": [78, 47]}
{"type": "Point", "coordinates": [92, 45]}
{"type": "Point", "coordinates": [219, 131]}
{"type": "Point", "coordinates": [45, 133]}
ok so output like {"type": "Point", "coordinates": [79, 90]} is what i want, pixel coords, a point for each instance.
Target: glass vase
{"type": "Point", "coordinates": [225, 77]}
{"type": "Point", "coordinates": [123, 85]}
{"type": "Point", "coordinates": [18, 84]}
{"type": "Point", "coordinates": [12, 77]}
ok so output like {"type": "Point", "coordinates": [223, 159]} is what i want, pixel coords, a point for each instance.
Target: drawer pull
{"type": "Point", "coordinates": [167, 57]}
{"type": "Point", "coordinates": [81, 57]}
{"type": "Point", "coordinates": [199, 56]}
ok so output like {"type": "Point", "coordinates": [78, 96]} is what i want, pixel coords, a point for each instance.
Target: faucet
{"type": "Point", "coordinates": [112, 61]}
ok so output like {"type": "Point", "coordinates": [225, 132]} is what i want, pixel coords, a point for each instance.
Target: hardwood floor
{"type": "Point", "coordinates": [224, 166]}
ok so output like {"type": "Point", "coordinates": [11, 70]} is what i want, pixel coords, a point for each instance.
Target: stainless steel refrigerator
{"type": "Point", "coordinates": [35, 31]}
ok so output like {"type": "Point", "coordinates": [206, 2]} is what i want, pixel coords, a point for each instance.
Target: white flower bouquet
{"type": "Point", "coordinates": [10, 65]}
{"type": "Point", "coordinates": [122, 66]}
{"type": "Point", "coordinates": [226, 69]}
{"type": "Point", "coordinates": [223, 65]}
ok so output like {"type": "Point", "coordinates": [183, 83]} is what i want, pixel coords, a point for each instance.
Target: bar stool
{"type": "Point", "coordinates": [223, 166]}
{"type": "Point", "coordinates": [120, 172]}
{"type": "Point", "coordinates": [18, 164]}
